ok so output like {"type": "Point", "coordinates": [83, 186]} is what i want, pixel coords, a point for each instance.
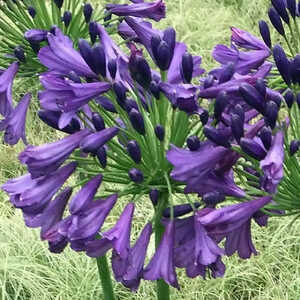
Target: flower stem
{"type": "Point", "coordinates": [163, 291]}
{"type": "Point", "coordinates": [104, 274]}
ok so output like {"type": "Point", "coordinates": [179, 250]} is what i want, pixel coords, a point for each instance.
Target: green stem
{"type": "Point", "coordinates": [104, 274]}
{"type": "Point", "coordinates": [163, 291]}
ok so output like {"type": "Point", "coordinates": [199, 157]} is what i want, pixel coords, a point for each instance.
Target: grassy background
{"type": "Point", "coordinates": [29, 271]}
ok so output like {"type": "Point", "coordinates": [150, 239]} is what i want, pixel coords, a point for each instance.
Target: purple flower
{"type": "Point", "coordinates": [272, 164]}
{"type": "Point", "coordinates": [6, 81]}
{"type": "Point", "coordinates": [246, 40]}
{"type": "Point", "coordinates": [129, 271]}
{"type": "Point", "coordinates": [14, 123]}
{"type": "Point", "coordinates": [60, 56]}
{"type": "Point", "coordinates": [34, 197]}
{"type": "Point", "coordinates": [153, 10]}
{"type": "Point", "coordinates": [86, 195]}
{"type": "Point", "coordinates": [116, 238]}
{"type": "Point", "coordinates": [189, 165]}
{"type": "Point", "coordinates": [44, 159]}
{"type": "Point", "coordinates": [162, 266]}
{"type": "Point", "coordinates": [229, 218]}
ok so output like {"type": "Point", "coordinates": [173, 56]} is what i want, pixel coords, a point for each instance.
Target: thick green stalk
{"type": "Point", "coordinates": [163, 291]}
{"type": "Point", "coordinates": [104, 274]}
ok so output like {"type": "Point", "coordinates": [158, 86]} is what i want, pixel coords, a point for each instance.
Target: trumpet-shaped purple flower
{"type": "Point", "coordinates": [34, 199]}
{"type": "Point", "coordinates": [116, 238]}
{"type": "Point", "coordinates": [153, 10]}
{"type": "Point", "coordinates": [129, 271]}
{"type": "Point", "coordinates": [60, 56]}
{"type": "Point", "coordinates": [272, 164]}
{"type": "Point", "coordinates": [44, 159]}
{"type": "Point", "coordinates": [162, 266]}
{"type": "Point", "coordinates": [6, 81]}
{"type": "Point", "coordinates": [14, 123]}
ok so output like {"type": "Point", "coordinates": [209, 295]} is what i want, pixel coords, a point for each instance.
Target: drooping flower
{"type": "Point", "coordinates": [14, 123]}
{"type": "Point", "coordinates": [44, 159]}
{"type": "Point", "coordinates": [162, 266]}
{"type": "Point", "coordinates": [6, 81]}
{"type": "Point", "coordinates": [153, 10]}
{"type": "Point", "coordinates": [272, 164]}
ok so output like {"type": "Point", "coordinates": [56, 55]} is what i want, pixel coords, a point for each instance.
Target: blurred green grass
{"type": "Point", "coordinates": [29, 271]}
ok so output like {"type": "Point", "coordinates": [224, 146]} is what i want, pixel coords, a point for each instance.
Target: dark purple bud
{"type": "Point", "coordinates": [67, 18]}
{"type": "Point", "coordinates": [106, 104]}
{"type": "Point", "coordinates": [155, 89]}
{"type": "Point", "coordinates": [291, 5]}
{"type": "Point", "coordinates": [169, 37]}
{"type": "Point", "coordinates": [294, 147]}
{"type": "Point", "coordinates": [74, 77]}
{"type": "Point", "coordinates": [102, 156]}
{"type": "Point", "coordinates": [51, 118]}
{"type": "Point", "coordinates": [180, 210]}
{"type": "Point", "coordinates": [99, 60]}
{"type": "Point", "coordinates": [35, 46]}
{"type": "Point", "coordinates": [204, 117]}
{"type": "Point", "coordinates": [164, 56]}
{"type": "Point", "coordinates": [112, 68]}
{"type": "Point", "coordinates": [237, 127]}
{"type": "Point", "coordinates": [208, 81]}
{"type": "Point", "coordinates": [19, 54]}
{"type": "Point", "coordinates": [137, 121]}
{"type": "Point", "coordinates": [120, 92]}
{"type": "Point", "coordinates": [154, 195]}
{"type": "Point", "coordinates": [276, 21]}
{"type": "Point", "coordinates": [265, 33]}
{"type": "Point", "coordinates": [53, 29]}
{"type": "Point", "coordinates": [107, 17]}
{"type": "Point", "coordinates": [187, 67]}
{"type": "Point", "coordinates": [277, 98]}
{"type": "Point", "coordinates": [252, 96]}
{"type": "Point", "coordinates": [226, 73]}
{"type": "Point", "coordinates": [289, 98]}
{"type": "Point", "coordinates": [279, 5]}
{"type": "Point", "coordinates": [136, 175]}
{"type": "Point", "coordinates": [98, 121]}
{"type": "Point", "coordinates": [218, 136]}
{"type": "Point", "coordinates": [155, 42]}
{"type": "Point", "coordinates": [31, 11]}
{"type": "Point", "coordinates": [87, 12]}
{"type": "Point", "coordinates": [193, 143]}
{"type": "Point", "coordinates": [213, 198]}
{"type": "Point", "coordinates": [282, 63]}
{"type": "Point", "coordinates": [220, 104]}
{"type": "Point", "coordinates": [129, 104]}
{"type": "Point", "coordinates": [139, 69]}
{"type": "Point", "coordinates": [93, 31]}
{"type": "Point", "coordinates": [59, 3]}
{"type": "Point", "coordinates": [265, 135]}
{"type": "Point", "coordinates": [238, 109]}
{"type": "Point", "coordinates": [86, 52]}
{"type": "Point", "coordinates": [260, 85]}
{"type": "Point", "coordinates": [271, 114]}
{"type": "Point", "coordinates": [159, 132]}
{"type": "Point", "coordinates": [252, 148]}
{"type": "Point", "coordinates": [134, 151]}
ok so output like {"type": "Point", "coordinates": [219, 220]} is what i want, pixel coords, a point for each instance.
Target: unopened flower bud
{"type": "Point", "coordinates": [187, 67]}
{"type": "Point", "coordinates": [226, 73]}
{"type": "Point", "coordinates": [294, 147]}
{"type": "Point", "coordinates": [211, 199]}
{"type": "Point", "coordinates": [252, 148]}
{"type": "Point", "coordinates": [271, 113]}
{"type": "Point", "coordinates": [20, 54]}
{"type": "Point", "coordinates": [208, 81]}
{"type": "Point", "coordinates": [102, 156]}
{"type": "Point", "coordinates": [261, 86]}
{"type": "Point", "coordinates": [265, 33]}
{"type": "Point", "coordinates": [204, 117]}
{"type": "Point", "coordinates": [86, 52]}
{"type": "Point", "coordinates": [289, 98]}
{"type": "Point", "coordinates": [279, 5]}
{"type": "Point", "coordinates": [291, 5]}
{"type": "Point", "coordinates": [237, 127]}
{"type": "Point", "coordinates": [193, 143]}
{"type": "Point", "coordinates": [136, 175]}
{"type": "Point", "coordinates": [159, 132]}
{"type": "Point", "coordinates": [31, 11]}
{"type": "Point", "coordinates": [112, 68]}
{"type": "Point", "coordinates": [282, 63]}
{"type": "Point", "coordinates": [218, 136]}
{"type": "Point", "coordinates": [98, 121]}
{"type": "Point", "coordinates": [154, 195]}
{"type": "Point", "coordinates": [99, 60]}
{"type": "Point", "coordinates": [137, 121]}
{"type": "Point", "coordinates": [59, 3]}
{"type": "Point", "coordinates": [252, 97]}
{"type": "Point", "coordinates": [155, 89]}
{"type": "Point", "coordinates": [276, 21]}
{"type": "Point", "coordinates": [220, 104]}
{"type": "Point", "coordinates": [67, 18]}
{"type": "Point", "coordinates": [93, 31]}
{"type": "Point", "coordinates": [87, 12]}
{"type": "Point", "coordinates": [180, 210]}
{"type": "Point", "coordinates": [265, 135]}
{"type": "Point", "coordinates": [238, 109]}
{"type": "Point", "coordinates": [134, 151]}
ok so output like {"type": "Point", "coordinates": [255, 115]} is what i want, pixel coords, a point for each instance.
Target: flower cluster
{"type": "Point", "coordinates": [173, 130]}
